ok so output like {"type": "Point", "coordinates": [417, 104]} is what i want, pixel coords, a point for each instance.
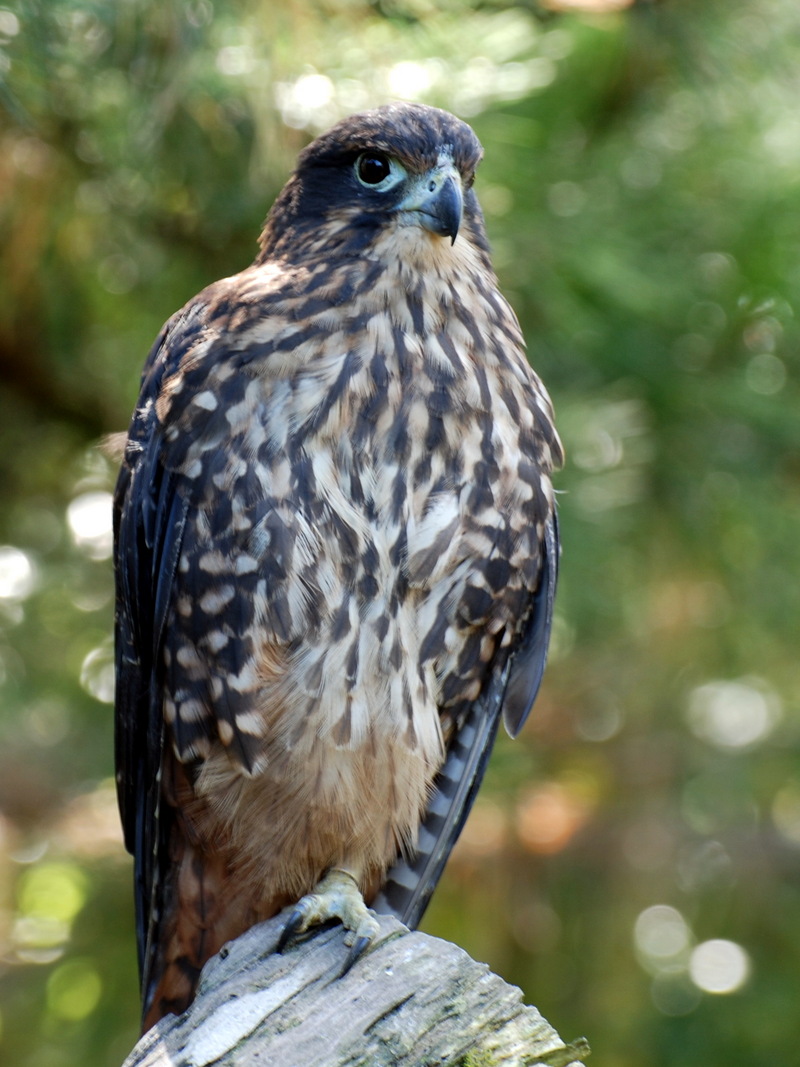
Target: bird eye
{"type": "Point", "coordinates": [377, 171]}
{"type": "Point", "coordinates": [372, 168]}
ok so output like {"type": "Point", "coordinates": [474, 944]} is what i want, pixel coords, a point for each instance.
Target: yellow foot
{"type": "Point", "coordinates": [337, 896]}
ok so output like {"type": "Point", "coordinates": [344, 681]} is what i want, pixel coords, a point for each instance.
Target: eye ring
{"type": "Point", "coordinates": [377, 171]}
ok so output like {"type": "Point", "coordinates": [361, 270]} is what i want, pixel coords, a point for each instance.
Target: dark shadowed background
{"type": "Point", "coordinates": [633, 861]}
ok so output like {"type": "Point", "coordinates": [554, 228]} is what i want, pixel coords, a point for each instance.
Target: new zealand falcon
{"type": "Point", "coordinates": [336, 556]}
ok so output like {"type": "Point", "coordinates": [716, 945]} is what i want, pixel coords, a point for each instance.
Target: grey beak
{"type": "Point", "coordinates": [437, 200]}
{"type": "Point", "coordinates": [444, 210]}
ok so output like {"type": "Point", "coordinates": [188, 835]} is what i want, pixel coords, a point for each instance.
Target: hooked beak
{"type": "Point", "coordinates": [437, 200]}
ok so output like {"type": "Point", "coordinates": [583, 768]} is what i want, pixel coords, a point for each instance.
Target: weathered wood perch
{"type": "Point", "coordinates": [412, 1001]}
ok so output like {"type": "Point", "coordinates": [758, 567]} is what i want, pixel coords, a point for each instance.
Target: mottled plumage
{"type": "Point", "coordinates": [336, 551]}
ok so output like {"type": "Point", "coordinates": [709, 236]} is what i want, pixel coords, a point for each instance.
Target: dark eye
{"type": "Point", "coordinates": [372, 168]}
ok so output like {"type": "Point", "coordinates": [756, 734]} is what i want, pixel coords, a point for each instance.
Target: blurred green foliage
{"type": "Point", "coordinates": [633, 861]}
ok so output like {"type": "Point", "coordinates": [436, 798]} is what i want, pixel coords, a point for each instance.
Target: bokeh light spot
{"type": "Point", "coordinates": [536, 926]}
{"type": "Point", "coordinates": [118, 273]}
{"type": "Point", "coordinates": [39, 938]}
{"type": "Point", "coordinates": [549, 816]}
{"type": "Point", "coordinates": [89, 517]}
{"type": "Point", "coordinates": [9, 23]}
{"type": "Point", "coordinates": [733, 714]}
{"type": "Point", "coordinates": [598, 722]}
{"type": "Point", "coordinates": [719, 966]}
{"type": "Point", "coordinates": [763, 335]}
{"type": "Point", "coordinates": [411, 80]}
{"type": "Point", "coordinates": [703, 864]}
{"type": "Point", "coordinates": [74, 990]}
{"type": "Point", "coordinates": [662, 937]}
{"type": "Point", "coordinates": [49, 896]}
{"type": "Point", "coordinates": [235, 60]}
{"type": "Point", "coordinates": [47, 721]}
{"type": "Point", "coordinates": [97, 674]}
{"type": "Point", "coordinates": [306, 102]}
{"type": "Point", "coordinates": [17, 573]}
{"type": "Point", "coordinates": [765, 374]}
{"type": "Point", "coordinates": [53, 889]}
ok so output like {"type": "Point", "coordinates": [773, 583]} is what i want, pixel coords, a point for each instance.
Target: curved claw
{"type": "Point", "coordinates": [338, 897]}
{"type": "Point", "coordinates": [356, 950]}
{"type": "Point", "coordinates": [293, 925]}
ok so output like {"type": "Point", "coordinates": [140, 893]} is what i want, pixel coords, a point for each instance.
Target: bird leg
{"type": "Point", "coordinates": [336, 896]}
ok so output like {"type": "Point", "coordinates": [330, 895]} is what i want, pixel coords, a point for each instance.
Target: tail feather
{"type": "Point", "coordinates": [193, 926]}
{"type": "Point", "coordinates": [204, 905]}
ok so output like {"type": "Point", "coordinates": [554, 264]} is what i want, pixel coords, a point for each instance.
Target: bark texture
{"type": "Point", "coordinates": [410, 1000]}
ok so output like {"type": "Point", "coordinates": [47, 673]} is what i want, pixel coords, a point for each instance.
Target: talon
{"type": "Point", "coordinates": [356, 950]}
{"type": "Point", "coordinates": [293, 925]}
{"type": "Point", "coordinates": [336, 897]}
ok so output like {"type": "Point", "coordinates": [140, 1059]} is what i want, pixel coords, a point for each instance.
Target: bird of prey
{"type": "Point", "coordinates": [336, 556]}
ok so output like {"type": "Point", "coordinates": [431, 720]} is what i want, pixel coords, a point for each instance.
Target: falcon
{"type": "Point", "coordinates": [336, 554]}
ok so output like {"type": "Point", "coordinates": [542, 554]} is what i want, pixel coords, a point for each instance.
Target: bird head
{"type": "Point", "coordinates": [398, 166]}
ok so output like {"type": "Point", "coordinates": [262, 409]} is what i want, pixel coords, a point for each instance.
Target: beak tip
{"type": "Point", "coordinates": [440, 207]}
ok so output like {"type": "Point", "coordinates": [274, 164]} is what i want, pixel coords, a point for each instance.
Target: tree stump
{"type": "Point", "coordinates": [410, 1001]}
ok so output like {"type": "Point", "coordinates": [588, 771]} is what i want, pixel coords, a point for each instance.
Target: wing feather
{"type": "Point", "coordinates": [149, 519]}
{"type": "Point", "coordinates": [509, 695]}
{"type": "Point", "coordinates": [530, 657]}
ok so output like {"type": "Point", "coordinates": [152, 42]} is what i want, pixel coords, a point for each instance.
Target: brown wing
{"type": "Point", "coordinates": [509, 694]}
{"type": "Point", "coordinates": [182, 911]}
